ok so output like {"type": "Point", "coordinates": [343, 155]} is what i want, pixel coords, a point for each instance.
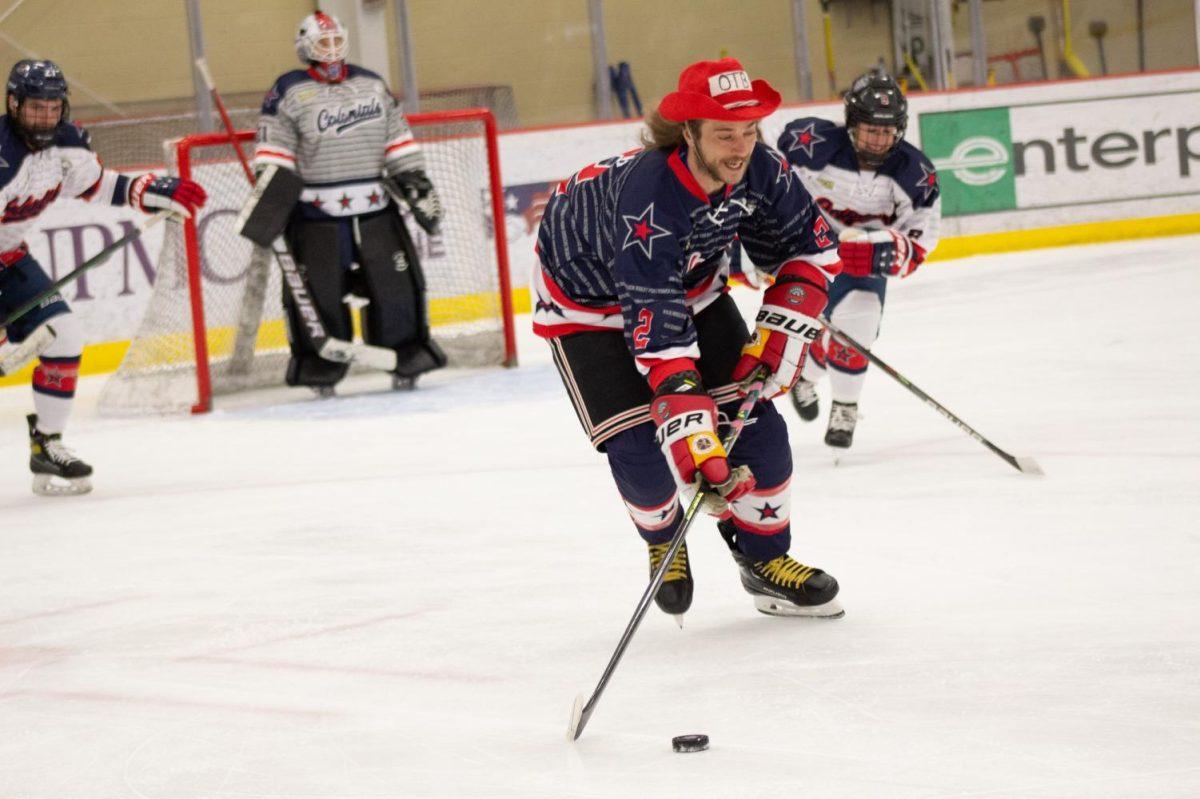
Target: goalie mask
{"type": "Point", "coordinates": [322, 44]}
{"type": "Point", "coordinates": [33, 87]}
{"type": "Point", "coordinates": [875, 99]}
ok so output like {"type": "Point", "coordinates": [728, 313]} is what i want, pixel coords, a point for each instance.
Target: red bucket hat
{"type": "Point", "coordinates": [719, 90]}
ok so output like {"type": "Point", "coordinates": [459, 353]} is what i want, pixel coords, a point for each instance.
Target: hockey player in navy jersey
{"type": "Point", "coordinates": [43, 157]}
{"type": "Point", "coordinates": [334, 142]}
{"type": "Point", "coordinates": [631, 293]}
{"type": "Point", "coordinates": [880, 194]}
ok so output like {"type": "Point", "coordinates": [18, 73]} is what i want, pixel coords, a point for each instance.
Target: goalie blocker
{"type": "Point", "coordinates": [369, 256]}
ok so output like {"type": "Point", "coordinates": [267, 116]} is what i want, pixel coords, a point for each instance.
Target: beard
{"type": "Point", "coordinates": [712, 168]}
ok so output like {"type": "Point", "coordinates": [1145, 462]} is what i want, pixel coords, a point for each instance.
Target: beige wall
{"type": "Point", "coordinates": [1170, 32]}
{"type": "Point", "coordinates": [130, 51]}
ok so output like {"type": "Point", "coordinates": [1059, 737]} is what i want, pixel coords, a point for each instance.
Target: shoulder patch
{"type": "Point", "coordinates": [282, 85]}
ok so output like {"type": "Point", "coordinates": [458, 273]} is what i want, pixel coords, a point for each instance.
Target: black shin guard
{"type": "Point", "coordinates": [395, 285]}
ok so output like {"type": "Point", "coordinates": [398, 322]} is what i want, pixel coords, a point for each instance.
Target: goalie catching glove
{"type": "Point", "coordinates": [686, 418]}
{"type": "Point", "coordinates": [418, 193]}
{"type": "Point", "coordinates": [786, 325]}
{"type": "Point", "coordinates": [882, 253]}
{"type": "Point", "coordinates": [180, 196]}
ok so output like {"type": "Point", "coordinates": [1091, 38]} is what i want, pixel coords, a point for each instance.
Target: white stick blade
{"type": "Point", "coordinates": [1029, 466]}
{"type": "Point", "coordinates": [576, 715]}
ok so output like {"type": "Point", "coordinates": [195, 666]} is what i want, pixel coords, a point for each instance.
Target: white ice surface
{"type": "Point", "coordinates": [394, 595]}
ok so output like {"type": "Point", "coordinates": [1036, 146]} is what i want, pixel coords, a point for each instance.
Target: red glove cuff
{"type": "Point", "coordinates": [664, 369]}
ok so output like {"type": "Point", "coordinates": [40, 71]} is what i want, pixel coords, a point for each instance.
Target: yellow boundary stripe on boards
{"type": "Point", "coordinates": [106, 357]}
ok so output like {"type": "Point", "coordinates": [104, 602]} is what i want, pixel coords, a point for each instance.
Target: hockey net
{"type": "Point", "coordinates": [214, 323]}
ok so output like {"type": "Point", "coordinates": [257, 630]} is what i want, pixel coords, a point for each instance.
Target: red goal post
{"type": "Point", "coordinates": [214, 323]}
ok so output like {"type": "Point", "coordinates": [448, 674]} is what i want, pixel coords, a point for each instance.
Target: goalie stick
{"type": "Point", "coordinates": [328, 347]}
{"type": "Point", "coordinates": [582, 710]}
{"type": "Point", "coordinates": [1025, 465]}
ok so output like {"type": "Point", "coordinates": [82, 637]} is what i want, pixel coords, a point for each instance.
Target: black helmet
{"type": "Point", "coordinates": [875, 99]}
{"type": "Point", "coordinates": [40, 80]}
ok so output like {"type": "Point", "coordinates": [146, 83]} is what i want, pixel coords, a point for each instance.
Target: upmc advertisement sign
{"type": "Point", "coordinates": [1050, 155]}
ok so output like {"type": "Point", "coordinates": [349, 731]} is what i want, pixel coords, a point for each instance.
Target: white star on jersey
{"type": "Point", "coordinates": [805, 139]}
{"type": "Point", "coordinates": [642, 231]}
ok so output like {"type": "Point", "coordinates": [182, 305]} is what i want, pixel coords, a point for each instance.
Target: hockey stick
{"type": "Point", "coordinates": [1022, 464]}
{"type": "Point", "coordinates": [581, 711]}
{"type": "Point", "coordinates": [91, 263]}
{"type": "Point", "coordinates": [328, 347]}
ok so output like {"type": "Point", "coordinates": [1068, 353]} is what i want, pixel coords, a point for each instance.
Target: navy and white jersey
{"type": "Point", "coordinates": [31, 180]}
{"type": "Point", "coordinates": [633, 243]}
{"type": "Point", "coordinates": [340, 137]}
{"type": "Point", "coordinates": [902, 194]}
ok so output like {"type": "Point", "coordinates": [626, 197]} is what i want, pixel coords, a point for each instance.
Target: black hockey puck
{"type": "Point", "coordinates": [689, 743]}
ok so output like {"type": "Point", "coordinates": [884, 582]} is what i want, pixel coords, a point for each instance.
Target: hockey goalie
{"type": "Point", "coordinates": [333, 156]}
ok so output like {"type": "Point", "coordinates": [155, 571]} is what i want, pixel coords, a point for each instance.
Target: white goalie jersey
{"type": "Point", "coordinates": [341, 138]}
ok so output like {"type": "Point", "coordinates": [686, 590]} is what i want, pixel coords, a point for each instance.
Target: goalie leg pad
{"type": "Point", "coordinates": [322, 252]}
{"type": "Point", "coordinates": [265, 215]}
{"type": "Point", "coordinates": [394, 283]}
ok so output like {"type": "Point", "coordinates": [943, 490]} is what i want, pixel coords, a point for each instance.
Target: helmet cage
{"type": "Point", "coordinates": [321, 39]}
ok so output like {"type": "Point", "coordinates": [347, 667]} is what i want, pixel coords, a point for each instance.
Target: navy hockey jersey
{"type": "Point", "coordinates": [902, 194]}
{"type": "Point", "coordinates": [633, 243]}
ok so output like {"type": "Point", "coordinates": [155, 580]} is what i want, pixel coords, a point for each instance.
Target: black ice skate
{"type": "Point", "coordinates": [804, 399]}
{"type": "Point", "coordinates": [842, 418]}
{"type": "Point", "coordinates": [56, 470]}
{"type": "Point", "coordinates": [783, 586]}
{"type": "Point", "coordinates": [404, 383]}
{"type": "Point", "coordinates": [675, 594]}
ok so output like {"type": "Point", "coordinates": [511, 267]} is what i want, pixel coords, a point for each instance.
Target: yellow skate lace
{"type": "Point", "coordinates": [785, 571]}
{"type": "Point", "coordinates": [678, 568]}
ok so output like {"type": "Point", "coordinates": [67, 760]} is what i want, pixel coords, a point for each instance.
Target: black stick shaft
{"type": "Point", "coordinates": [693, 510]}
{"type": "Point", "coordinates": [91, 263]}
{"type": "Point", "coordinates": [930, 401]}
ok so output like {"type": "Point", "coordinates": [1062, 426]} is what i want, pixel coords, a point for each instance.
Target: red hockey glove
{"type": "Point", "coordinates": [687, 433]}
{"type": "Point", "coordinates": [181, 196]}
{"type": "Point", "coordinates": [884, 253]}
{"type": "Point", "coordinates": [786, 324]}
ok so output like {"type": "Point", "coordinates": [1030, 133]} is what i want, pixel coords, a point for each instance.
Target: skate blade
{"type": "Point", "coordinates": [773, 606]}
{"type": "Point", "coordinates": [678, 617]}
{"type": "Point", "coordinates": [47, 486]}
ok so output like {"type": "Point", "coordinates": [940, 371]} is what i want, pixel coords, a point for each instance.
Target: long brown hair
{"type": "Point", "coordinates": [661, 133]}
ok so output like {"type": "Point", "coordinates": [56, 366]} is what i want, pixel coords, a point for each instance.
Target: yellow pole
{"type": "Point", "coordinates": [827, 25]}
{"type": "Point", "coordinates": [1069, 55]}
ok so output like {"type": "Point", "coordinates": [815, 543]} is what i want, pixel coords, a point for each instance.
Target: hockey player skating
{"type": "Point", "coordinates": [333, 149]}
{"type": "Point", "coordinates": [44, 158]}
{"type": "Point", "coordinates": [881, 196]}
{"type": "Point", "coordinates": [631, 294]}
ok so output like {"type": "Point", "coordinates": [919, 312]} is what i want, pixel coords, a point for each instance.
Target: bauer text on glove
{"type": "Point", "coordinates": [686, 418]}
{"type": "Point", "coordinates": [786, 324]}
